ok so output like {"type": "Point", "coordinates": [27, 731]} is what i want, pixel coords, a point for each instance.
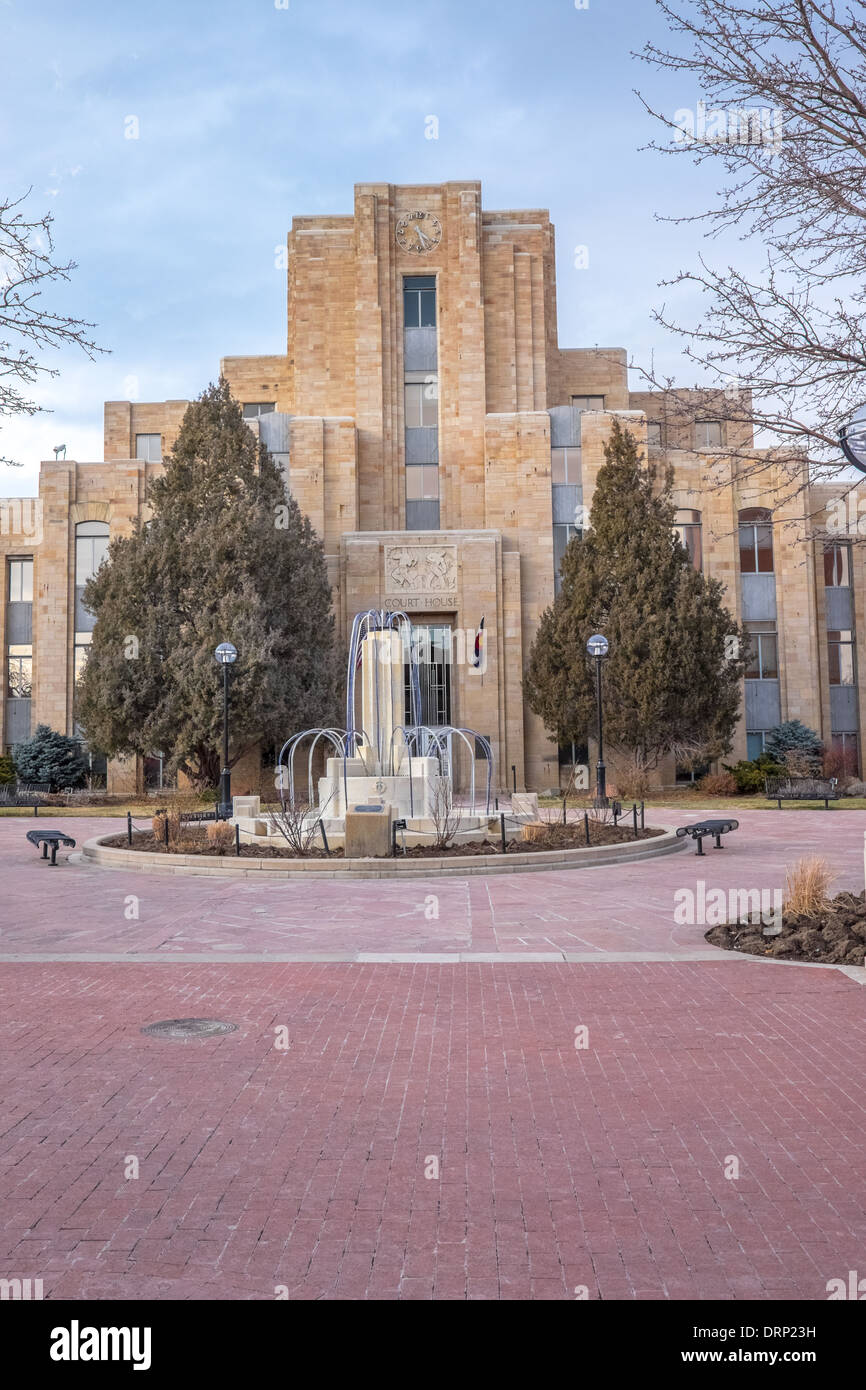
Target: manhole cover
{"type": "Point", "coordinates": [189, 1028]}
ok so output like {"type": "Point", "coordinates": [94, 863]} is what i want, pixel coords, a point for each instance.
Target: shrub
{"type": "Point", "coordinates": [48, 756]}
{"type": "Point", "coordinates": [718, 784]}
{"type": "Point", "coordinates": [747, 776]}
{"type": "Point", "coordinates": [806, 888]}
{"type": "Point", "coordinates": [632, 779]}
{"type": "Point", "coordinates": [221, 834]}
{"type": "Point", "coordinates": [7, 772]}
{"type": "Point", "coordinates": [750, 776]}
{"type": "Point", "coordinates": [176, 830]}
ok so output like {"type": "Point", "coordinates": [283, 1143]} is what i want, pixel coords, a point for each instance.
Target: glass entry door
{"type": "Point", "coordinates": [433, 648]}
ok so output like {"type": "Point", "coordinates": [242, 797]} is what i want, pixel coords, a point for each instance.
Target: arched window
{"type": "Point", "coordinates": [687, 524]}
{"type": "Point", "coordinates": [756, 541]}
{"type": "Point", "coordinates": [91, 548]}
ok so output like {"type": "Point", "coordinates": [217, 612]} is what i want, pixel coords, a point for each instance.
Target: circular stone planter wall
{"type": "Point", "coordinates": [96, 852]}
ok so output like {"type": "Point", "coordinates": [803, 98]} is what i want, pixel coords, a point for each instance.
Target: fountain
{"type": "Point", "coordinates": [385, 765]}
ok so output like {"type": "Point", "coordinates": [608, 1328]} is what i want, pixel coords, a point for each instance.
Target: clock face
{"type": "Point", "coordinates": [418, 233]}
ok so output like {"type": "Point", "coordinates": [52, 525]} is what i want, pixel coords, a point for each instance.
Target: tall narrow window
{"type": "Point", "coordinates": [419, 301]}
{"type": "Point", "coordinates": [840, 652]}
{"type": "Point", "coordinates": [763, 656]}
{"type": "Point", "coordinates": [837, 566]}
{"type": "Point", "coordinates": [565, 466]}
{"type": "Point", "coordinates": [654, 434]}
{"type": "Point", "coordinates": [421, 403]}
{"type": "Point", "coordinates": [19, 672]}
{"type": "Point", "coordinates": [20, 581]}
{"type": "Point", "coordinates": [756, 541]}
{"type": "Point", "coordinates": [687, 524]}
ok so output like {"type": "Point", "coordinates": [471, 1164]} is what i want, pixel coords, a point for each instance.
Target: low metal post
{"type": "Point", "coordinates": [564, 810]}
{"type": "Point", "coordinates": [514, 776]}
{"type": "Point", "coordinates": [129, 827]}
{"type": "Point", "coordinates": [586, 825]}
{"type": "Point", "coordinates": [325, 838]}
{"type": "Point", "coordinates": [634, 818]}
{"type": "Point", "coordinates": [36, 808]}
{"type": "Point", "coordinates": [642, 826]}
{"type": "Point", "coordinates": [237, 841]}
{"type": "Point", "coordinates": [393, 839]}
{"type": "Point", "coordinates": [502, 830]}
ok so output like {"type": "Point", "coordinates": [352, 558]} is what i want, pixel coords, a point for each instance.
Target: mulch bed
{"type": "Point", "coordinates": [572, 836]}
{"type": "Point", "coordinates": [838, 937]}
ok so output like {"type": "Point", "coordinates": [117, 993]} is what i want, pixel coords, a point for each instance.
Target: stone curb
{"type": "Point", "coordinates": [95, 852]}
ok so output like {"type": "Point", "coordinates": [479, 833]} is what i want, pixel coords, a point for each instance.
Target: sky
{"type": "Point", "coordinates": [246, 113]}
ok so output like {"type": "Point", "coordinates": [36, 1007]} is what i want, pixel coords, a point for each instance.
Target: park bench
{"type": "Point", "coordinates": [716, 828]}
{"type": "Point", "coordinates": [781, 789]}
{"type": "Point", "coordinates": [49, 839]}
{"type": "Point", "coordinates": [25, 794]}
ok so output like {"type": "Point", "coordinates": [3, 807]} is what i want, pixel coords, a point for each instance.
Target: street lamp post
{"type": "Point", "coordinates": [225, 655]}
{"type": "Point", "coordinates": [598, 647]}
{"type": "Point", "coordinates": [852, 438]}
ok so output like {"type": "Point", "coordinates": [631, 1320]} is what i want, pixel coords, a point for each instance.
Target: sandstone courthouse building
{"type": "Point", "coordinates": [445, 447]}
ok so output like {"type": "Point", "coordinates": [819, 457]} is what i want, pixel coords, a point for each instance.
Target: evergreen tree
{"type": "Point", "coordinates": [672, 679]}
{"type": "Point", "coordinates": [48, 756]}
{"type": "Point", "coordinates": [794, 737]}
{"type": "Point", "coordinates": [226, 557]}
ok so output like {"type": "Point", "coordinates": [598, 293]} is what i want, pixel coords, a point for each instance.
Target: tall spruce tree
{"type": "Point", "coordinates": [671, 681]}
{"type": "Point", "coordinates": [226, 557]}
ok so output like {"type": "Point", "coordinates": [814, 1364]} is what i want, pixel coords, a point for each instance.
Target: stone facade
{"type": "Point", "coordinates": [454, 511]}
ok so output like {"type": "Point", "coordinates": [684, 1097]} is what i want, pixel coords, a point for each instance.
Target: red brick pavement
{"type": "Point", "coordinates": [78, 909]}
{"type": "Point", "coordinates": [559, 1167]}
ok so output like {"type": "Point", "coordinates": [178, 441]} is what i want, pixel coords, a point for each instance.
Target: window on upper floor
{"type": "Point", "coordinates": [837, 566]}
{"type": "Point", "coordinates": [422, 482]}
{"type": "Point", "coordinates": [565, 466]}
{"type": "Point", "coordinates": [756, 541]}
{"type": "Point", "coordinates": [419, 301]}
{"type": "Point", "coordinates": [91, 548]}
{"type": "Point", "coordinates": [253, 409]}
{"type": "Point", "coordinates": [148, 447]}
{"type": "Point", "coordinates": [687, 524]}
{"type": "Point", "coordinates": [762, 657]}
{"type": "Point", "coordinates": [708, 434]}
{"type": "Point", "coordinates": [587, 402]}
{"type": "Point", "coordinates": [422, 403]}
{"type": "Point", "coordinates": [20, 581]}
{"type": "Point", "coordinates": [19, 673]}
{"type": "Point", "coordinates": [654, 434]}
{"type": "Point", "coordinates": [840, 653]}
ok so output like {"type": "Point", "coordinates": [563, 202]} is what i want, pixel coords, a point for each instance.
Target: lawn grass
{"type": "Point", "coordinates": [685, 800]}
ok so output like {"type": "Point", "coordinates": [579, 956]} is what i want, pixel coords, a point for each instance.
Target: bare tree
{"type": "Point", "coordinates": [27, 327]}
{"type": "Point", "coordinates": [447, 817]}
{"type": "Point", "coordinates": [783, 113]}
{"type": "Point", "coordinates": [298, 822]}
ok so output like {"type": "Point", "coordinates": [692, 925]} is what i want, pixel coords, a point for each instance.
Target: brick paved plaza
{"type": "Point", "coordinates": [313, 1168]}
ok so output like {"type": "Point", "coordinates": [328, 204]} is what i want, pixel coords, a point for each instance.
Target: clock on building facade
{"type": "Point", "coordinates": [418, 233]}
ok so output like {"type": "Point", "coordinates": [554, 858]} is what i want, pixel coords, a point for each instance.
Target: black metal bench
{"type": "Point", "coordinates": [716, 828]}
{"type": "Point", "coordinates": [781, 789]}
{"type": "Point", "coordinates": [25, 794]}
{"type": "Point", "coordinates": [52, 839]}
